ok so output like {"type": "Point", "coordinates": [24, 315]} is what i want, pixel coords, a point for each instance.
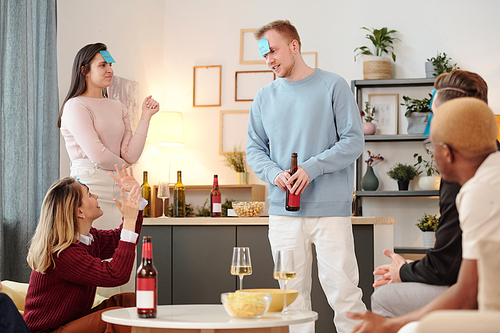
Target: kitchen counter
{"type": "Point", "coordinates": [252, 220]}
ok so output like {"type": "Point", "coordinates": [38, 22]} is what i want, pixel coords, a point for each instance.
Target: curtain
{"type": "Point", "coordinates": [29, 138]}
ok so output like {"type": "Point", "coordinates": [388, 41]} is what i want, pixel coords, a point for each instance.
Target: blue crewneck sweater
{"type": "Point", "coordinates": [317, 118]}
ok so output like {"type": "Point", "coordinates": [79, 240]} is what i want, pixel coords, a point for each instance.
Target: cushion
{"type": "Point", "coordinates": [488, 271]}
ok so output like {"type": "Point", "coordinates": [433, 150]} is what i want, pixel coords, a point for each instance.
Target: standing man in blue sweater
{"type": "Point", "coordinates": [312, 113]}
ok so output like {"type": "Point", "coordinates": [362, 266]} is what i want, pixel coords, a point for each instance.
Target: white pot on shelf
{"type": "Point", "coordinates": [429, 183]}
{"type": "Point", "coordinates": [429, 238]}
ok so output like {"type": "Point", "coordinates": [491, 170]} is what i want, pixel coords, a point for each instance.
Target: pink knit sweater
{"type": "Point", "coordinates": [67, 289]}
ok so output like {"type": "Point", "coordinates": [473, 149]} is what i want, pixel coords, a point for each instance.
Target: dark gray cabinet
{"type": "Point", "coordinates": [193, 264]}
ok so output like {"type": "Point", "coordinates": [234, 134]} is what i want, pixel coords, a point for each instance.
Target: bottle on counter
{"type": "Point", "coordinates": [292, 202]}
{"type": "Point", "coordinates": [146, 194]}
{"type": "Point", "coordinates": [179, 197]}
{"type": "Point", "coordinates": [215, 199]}
{"type": "Point", "coordinates": [147, 282]}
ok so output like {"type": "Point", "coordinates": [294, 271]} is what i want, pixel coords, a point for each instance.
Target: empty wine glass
{"type": "Point", "coordinates": [241, 264]}
{"type": "Point", "coordinates": [163, 193]}
{"type": "Point", "coordinates": [284, 270]}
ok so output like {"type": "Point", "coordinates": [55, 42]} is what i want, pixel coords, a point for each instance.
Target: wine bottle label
{"type": "Point", "coordinates": [216, 207]}
{"type": "Point", "coordinates": [145, 295]}
{"type": "Point", "coordinates": [293, 200]}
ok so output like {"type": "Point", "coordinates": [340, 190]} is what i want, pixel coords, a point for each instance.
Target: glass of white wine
{"type": "Point", "coordinates": [284, 270]}
{"type": "Point", "coordinates": [241, 264]}
{"type": "Point", "coordinates": [163, 193]}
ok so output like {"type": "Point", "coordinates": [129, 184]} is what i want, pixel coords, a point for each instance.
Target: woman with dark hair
{"type": "Point", "coordinates": [67, 256]}
{"type": "Point", "coordinates": [97, 130]}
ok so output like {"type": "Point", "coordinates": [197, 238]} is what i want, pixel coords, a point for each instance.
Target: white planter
{"type": "Point", "coordinates": [429, 238]}
{"type": "Point", "coordinates": [376, 68]}
{"type": "Point", "coordinates": [417, 122]}
{"type": "Point", "coordinates": [431, 183]}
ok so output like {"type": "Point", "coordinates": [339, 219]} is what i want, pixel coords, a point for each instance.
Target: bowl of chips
{"type": "Point", "coordinates": [246, 305]}
{"type": "Point", "coordinates": [248, 208]}
{"type": "Point", "coordinates": [277, 297]}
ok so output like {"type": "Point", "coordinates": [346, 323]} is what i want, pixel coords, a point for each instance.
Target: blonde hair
{"type": "Point", "coordinates": [286, 30]}
{"type": "Point", "coordinates": [57, 226]}
{"type": "Point", "coordinates": [466, 124]}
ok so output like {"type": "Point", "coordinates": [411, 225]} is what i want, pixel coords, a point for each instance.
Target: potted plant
{"type": "Point", "coordinates": [236, 161]}
{"type": "Point", "coordinates": [368, 115]}
{"type": "Point", "coordinates": [370, 181]}
{"type": "Point", "coordinates": [428, 225]}
{"type": "Point", "coordinates": [417, 113]}
{"type": "Point", "coordinates": [431, 179]}
{"type": "Point", "coordinates": [403, 173]}
{"type": "Point", "coordinates": [375, 66]}
{"type": "Point", "coordinates": [438, 65]}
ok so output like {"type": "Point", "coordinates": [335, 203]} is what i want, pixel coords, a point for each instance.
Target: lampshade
{"type": "Point", "coordinates": [166, 128]}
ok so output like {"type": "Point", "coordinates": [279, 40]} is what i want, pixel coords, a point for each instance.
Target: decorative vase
{"type": "Point", "coordinates": [243, 177]}
{"type": "Point", "coordinates": [417, 122]}
{"type": "Point", "coordinates": [403, 185]}
{"type": "Point", "coordinates": [430, 70]}
{"type": "Point", "coordinates": [369, 181]}
{"type": "Point", "coordinates": [369, 128]}
{"type": "Point", "coordinates": [376, 68]}
{"type": "Point", "coordinates": [429, 238]}
{"type": "Point", "coordinates": [429, 183]}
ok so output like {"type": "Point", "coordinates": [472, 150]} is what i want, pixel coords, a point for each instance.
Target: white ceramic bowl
{"type": "Point", "coordinates": [246, 305]}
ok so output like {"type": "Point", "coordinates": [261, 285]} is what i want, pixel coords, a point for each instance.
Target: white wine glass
{"type": "Point", "coordinates": [284, 270]}
{"type": "Point", "coordinates": [163, 193]}
{"type": "Point", "coordinates": [241, 263]}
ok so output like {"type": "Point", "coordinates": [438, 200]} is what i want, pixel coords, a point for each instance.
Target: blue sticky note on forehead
{"type": "Point", "coordinates": [264, 47]}
{"type": "Point", "coordinates": [107, 57]}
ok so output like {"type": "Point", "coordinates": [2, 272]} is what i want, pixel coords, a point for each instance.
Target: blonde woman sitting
{"type": "Point", "coordinates": [67, 257]}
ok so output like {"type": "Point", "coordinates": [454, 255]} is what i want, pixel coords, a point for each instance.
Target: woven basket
{"type": "Point", "coordinates": [376, 68]}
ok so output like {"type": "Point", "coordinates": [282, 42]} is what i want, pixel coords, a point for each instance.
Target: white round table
{"type": "Point", "coordinates": [206, 318]}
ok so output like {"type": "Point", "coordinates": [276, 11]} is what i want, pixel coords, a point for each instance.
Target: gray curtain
{"type": "Point", "coordinates": [29, 138]}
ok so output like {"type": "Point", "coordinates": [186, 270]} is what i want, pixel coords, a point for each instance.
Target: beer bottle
{"type": "Point", "coordinates": [147, 282]}
{"type": "Point", "coordinates": [215, 199]}
{"type": "Point", "coordinates": [292, 202]}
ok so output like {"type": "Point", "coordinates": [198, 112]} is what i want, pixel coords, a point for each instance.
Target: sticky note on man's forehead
{"type": "Point", "coordinates": [107, 57]}
{"type": "Point", "coordinates": [264, 47]}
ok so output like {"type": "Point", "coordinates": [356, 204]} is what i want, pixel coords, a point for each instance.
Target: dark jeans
{"type": "Point", "coordinates": [11, 320]}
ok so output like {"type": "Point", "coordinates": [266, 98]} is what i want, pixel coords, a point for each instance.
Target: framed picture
{"type": "Point", "coordinates": [247, 83]}
{"type": "Point", "coordinates": [207, 84]}
{"type": "Point", "coordinates": [386, 112]}
{"type": "Point", "coordinates": [310, 58]}
{"type": "Point", "coordinates": [232, 131]}
{"type": "Point", "coordinates": [249, 50]}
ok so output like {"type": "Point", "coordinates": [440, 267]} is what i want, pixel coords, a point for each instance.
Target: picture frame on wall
{"type": "Point", "coordinates": [233, 130]}
{"type": "Point", "coordinates": [310, 58]}
{"type": "Point", "coordinates": [249, 50]}
{"type": "Point", "coordinates": [386, 112]}
{"type": "Point", "coordinates": [207, 85]}
{"type": "Point", "coordinates": [247, 83]}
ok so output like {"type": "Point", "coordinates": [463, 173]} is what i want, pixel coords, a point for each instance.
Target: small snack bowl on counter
{"type": "Point", "coordinates": [249, 208]}
{"type": "Point", "coordinates": [277, 295]}
{"type": "Point", "coordinates": [246, 305]}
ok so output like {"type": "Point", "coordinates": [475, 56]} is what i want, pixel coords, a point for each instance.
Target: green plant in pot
{"type": "Point", "coordinates": [375, 66]}
{"type": "Point", "coordinates": [236, 161]}
{"type": "Point", "coordinates": [417, 113]}
{"type": "Point", "coordinates": [403, 173]}
{"type": "Point", "coordinates": [428, 225]}
{"type": "Point", "coordinates": [438, 65]}
{"type": "Point", "coordinates": [368, 115]}
{"type": "Point", "coordinates": [430, 180]}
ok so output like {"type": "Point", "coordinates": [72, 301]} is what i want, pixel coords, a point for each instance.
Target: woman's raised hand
{"type": "Point", "coordinates": [125, 178]}
{"type": "Point", "coordinates": [130, 207]}
{"type": "Point", "coordinates": [149, 108]}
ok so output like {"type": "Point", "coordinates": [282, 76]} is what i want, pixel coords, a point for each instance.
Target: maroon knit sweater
{"type": "Point", "coordinates": [67, 289]}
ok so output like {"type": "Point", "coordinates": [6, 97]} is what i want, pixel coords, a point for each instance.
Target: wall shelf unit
{"type": "Point", "coordinates": [357, 86]}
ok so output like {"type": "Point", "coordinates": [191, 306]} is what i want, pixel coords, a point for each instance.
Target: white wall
{"type": "Point", "coordinates": [197, 33]}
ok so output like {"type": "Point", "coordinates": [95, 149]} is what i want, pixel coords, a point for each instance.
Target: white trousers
{"type": "Point", "coordinates": [337, 266]}
{"type": "Point", "coordinates": [100, 183]}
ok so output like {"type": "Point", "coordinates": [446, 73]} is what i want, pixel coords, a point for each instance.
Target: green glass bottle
{"type": "Point", "coordinates": [146, 194]}
{"type": "Point", "coordinates": [179, 197]}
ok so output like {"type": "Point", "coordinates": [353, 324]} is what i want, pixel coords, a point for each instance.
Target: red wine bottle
{"type": "Point", "coordinates": [292, 202]}
{"type": "Point", "coordinates": [147, 282]}
{"type": "Point", "coordinates": [215, 199]}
